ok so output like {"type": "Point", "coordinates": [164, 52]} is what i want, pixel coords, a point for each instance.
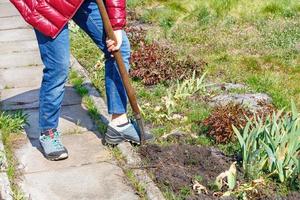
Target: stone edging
{"type": "Point", "coordinates": [5, 189]}
{"type": "Point", "coordinates": [132, 158]}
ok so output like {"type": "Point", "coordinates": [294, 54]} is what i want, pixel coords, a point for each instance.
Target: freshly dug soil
{"type": "Point", "coordinates": [176, 166]}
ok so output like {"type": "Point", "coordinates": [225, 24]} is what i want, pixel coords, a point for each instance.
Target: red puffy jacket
{"type": "Point", "coordinates": [50, 16]}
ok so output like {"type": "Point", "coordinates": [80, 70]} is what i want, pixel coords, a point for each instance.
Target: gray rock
{"type": "Point", "coordinates": [251, 100]}
{"type": "Point", "coordinates": [225, 86]}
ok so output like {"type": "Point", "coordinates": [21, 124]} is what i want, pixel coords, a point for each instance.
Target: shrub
{"type": "Point", "coordinates": [220, 122]}
{"type": "Point", "coordinates": [153, 63]}
{"type": "Point", "coordinates": [272, 145]}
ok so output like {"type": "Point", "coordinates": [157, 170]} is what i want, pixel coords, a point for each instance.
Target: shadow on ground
{"type": "Point", "coordinates": [74, 116]}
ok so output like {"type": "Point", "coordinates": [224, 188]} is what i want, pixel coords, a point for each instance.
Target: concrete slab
{"type": "Point", "coordinates": [72, 119]}
{"type": "Point", "coordinates": [4, 1]}
{"type": "Point", "coordinates": [84, 148]}
{"type": "Point", "coordinates": [13, 22]}
{"type": "Point", "coordinates": [28, 98]}
{"type": "Point", "coordinates": [18, 46]}
{"type": "Point", "coordinates": [17, 35]}
{"type": "Point", "coordinates": [20, 59]}
{"type": "Point", "coordinates": [21, 77]}
{"type": "Point", "coordinates": [7, 10]}
{"type": "Point", "coordinates": [103, 181]}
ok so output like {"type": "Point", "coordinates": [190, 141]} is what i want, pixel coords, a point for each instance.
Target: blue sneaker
{"type": "Point", "coordinates": [52, 145]}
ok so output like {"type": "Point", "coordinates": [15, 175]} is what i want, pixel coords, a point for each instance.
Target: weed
{"type": "Point", "coordinates": [77, 82]}
{"type": "Point", "coordinates": [138, 187]}
{"type": "Point", "coordinates": [11, 124]}
{"type": "Point", "coordinates": [90, 56]}
{"type": "Point", "coordinates": [184, 192]}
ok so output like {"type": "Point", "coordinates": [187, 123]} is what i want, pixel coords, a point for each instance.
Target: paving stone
{"type": "Point", "coordinates": [12, 22]}
{"type": "Point", "coordinates": [7, 10]}
{"type": "Point", "coordinates": [103, 181]}
{"type": "Point", "coordinates": [20, 59]}
{"type": "Point", "coordinates": [21, 77]}
{"type": "Point", "coordinates": [5, 189]}
{"type": "Point", "coordinates": [28, 98]}
{"type": "Point", "coordinates": [84, 148]}
{"type": "Point", "coordinates": [16, 35]}
{"type": "Point", "coordinates": [19, 46]}
{"type": "Point", "coordinates": [4, 1]}
{"type": "Point", "coordinates": [73, 119]}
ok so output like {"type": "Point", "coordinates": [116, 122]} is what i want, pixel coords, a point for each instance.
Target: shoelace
{"type": "Point", "coordinates": [56, 141]}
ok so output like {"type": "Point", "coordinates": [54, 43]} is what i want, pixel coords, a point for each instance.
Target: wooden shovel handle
{"type": "Point", "coordinates": [122, 69]}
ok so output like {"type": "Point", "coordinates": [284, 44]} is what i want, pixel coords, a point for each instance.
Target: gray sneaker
{"type": "Point", "coordinates": [127, 132]}
{"type": "Point", "coordinates": [52, 145]}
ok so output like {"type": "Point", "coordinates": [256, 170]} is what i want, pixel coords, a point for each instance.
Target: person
{"type": "Point", "coordinates": [49, 19]}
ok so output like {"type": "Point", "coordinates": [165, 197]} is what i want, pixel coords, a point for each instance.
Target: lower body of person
{"type": "Point", "coordinates": [55, 54]}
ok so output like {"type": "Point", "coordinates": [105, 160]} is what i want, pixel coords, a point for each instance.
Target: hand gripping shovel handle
{"type": "Point", "coordinates": [122, 69]}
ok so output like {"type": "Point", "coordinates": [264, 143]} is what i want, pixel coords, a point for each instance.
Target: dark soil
{"type": "Point", "coordinates": [176, 166]}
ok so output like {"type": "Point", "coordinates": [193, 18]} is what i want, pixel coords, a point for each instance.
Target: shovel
{"type": "Point", "coordinates": [122, 69]}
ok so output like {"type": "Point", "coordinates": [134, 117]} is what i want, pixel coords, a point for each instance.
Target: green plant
{"type": "Point", "coordinates": [219, 123]}
{"type": "Point", "coordinates": [12, 122]}
{"type": "Point", "coordinates": [153, 63]}
{"type": "Point", "coordinates": [176, 96]}
{"type": "Point", "coordinates": [272, 145]}
{"type": "Point", "coordinates": [183, 90]}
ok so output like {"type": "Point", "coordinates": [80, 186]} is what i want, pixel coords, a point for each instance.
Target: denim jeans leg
{"type": "Point", "coordinates": [89, 19]}
{"type": "Point", "coordinates": [56, 59]}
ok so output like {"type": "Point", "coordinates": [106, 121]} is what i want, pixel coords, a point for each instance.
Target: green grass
{"type": "Point", "coordinates": [77, 83]}
{"type": "Point", "coordinates": [88, 55]}
{"type": "Point", "coordinates": [11, 124]}
{"type": "Point", "coordinates": [253, 42]}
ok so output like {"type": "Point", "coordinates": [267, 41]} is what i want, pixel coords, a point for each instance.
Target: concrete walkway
{"type": "Point", "coordinates": [90, 172]}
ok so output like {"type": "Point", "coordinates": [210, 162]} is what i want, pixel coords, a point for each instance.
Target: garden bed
{"type": "Point", "coordinates": [176, 167]}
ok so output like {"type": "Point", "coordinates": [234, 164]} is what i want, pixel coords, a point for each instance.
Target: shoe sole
{"type": "Point", "coordinates": [118, 140]}
{"type": "Point", "coordinates": [56, 158]}
{"type": "Point", "coordinates": [113, 141]}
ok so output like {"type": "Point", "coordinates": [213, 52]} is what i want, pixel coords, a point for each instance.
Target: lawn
{"type": "Point", "coordinates": [254, 42]}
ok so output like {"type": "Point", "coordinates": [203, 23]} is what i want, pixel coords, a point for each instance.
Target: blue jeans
{"type": "Point", "coordinates": [55, 54]}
